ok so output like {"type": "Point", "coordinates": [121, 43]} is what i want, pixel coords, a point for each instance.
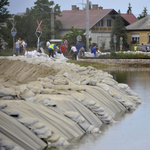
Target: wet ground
{"type": "Point", "coordinates": [132, 130]}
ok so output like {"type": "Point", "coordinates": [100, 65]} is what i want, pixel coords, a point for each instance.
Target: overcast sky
{"type": "Point", "coordinates": [17, 6]}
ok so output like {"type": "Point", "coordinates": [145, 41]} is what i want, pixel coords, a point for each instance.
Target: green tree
{"type": "Point", "coordinates": [144, 14]}
{"type": "Point", "coordinates": [90, 6]}
{"type": "Point", "coordinates": [4, 14]}
{"type": "Point", "coordinates": [120, 31]}
{"type": "Point", "coordinates": [72, 36]}
{"type": "Point", "coordinates": [26, 25]}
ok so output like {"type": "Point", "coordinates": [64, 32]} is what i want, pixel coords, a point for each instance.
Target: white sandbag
{"type": "Point", "coordinates": [40, 131]}
{"type": "Point", "coordinates": [49, 103]}
{"type": "Point", "coordinates": [7, 92]}
{"type": "Point", "coordinates": [117, 96]}
{"type": "Point", "coordinates": [89, 103]}
{"type": "Point", "coordinates": [26, 94]}
{"type": "Point", "coordinates": [61, 142]}
{"type": "Point", "coordinates": [46, 135]}
{"type": "Point", "coordinates": [7, 145]}
{"type": "Point", "coordinates": [60, 82]}
{"type": "Point", "coordinates": [80, 119]}
{"type": "Point", "coordinates": [96, 130]}
{"type": "Point", "coordinates": [90, 128]}
{"type": "Point", "coordinates": [72, 115]}
{"type": "Point", "coordinates": [123, 86]}
{"type": "Point", "coordinates": [84, 125]}
{"type": "Point", "coordinates": [28, 121]}
{"type": "Point", "coordinates": [31, 99]}
{"type": "Point", "coordinates": [7, 98]}
{"type": "Point", "coordinates": [87, 81]}
{"type": "Point", "coordinates": [54, 138]}
{"type": "Point", "coordinates": [2, 106]}
{"type": "Point", "coordinates": [37, 126]}
{"type": "Point", "coordinates": [103, 86]}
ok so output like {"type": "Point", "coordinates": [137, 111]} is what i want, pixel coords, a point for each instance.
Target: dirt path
{"type": "Point", "coordinates": [18, 72]}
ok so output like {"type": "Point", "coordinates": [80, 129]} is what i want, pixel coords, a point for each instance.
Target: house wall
{"type": "Point", "coordinates": [101, 35]}
{"type": "Point", "coordinates": [101, 38]}
{"type": "Point", "coordinates": [143, 38]}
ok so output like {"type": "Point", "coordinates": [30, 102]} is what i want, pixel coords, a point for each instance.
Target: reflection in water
{"type": "Point", "coordinates": [131, 131]}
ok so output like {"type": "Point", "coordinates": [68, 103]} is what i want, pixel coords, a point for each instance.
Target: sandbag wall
{"type": "Point", "coordinates": [54, 110]}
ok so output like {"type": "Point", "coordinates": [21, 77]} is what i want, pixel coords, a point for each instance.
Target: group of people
{"type": "Point", "coordinates": [145, 48]}
{"type": "Point", "coordinates": [53, 48]}
{"type": "Point", "coordinates": [79, 50]}
{"type": "Point", "coordinates": [20, 47]}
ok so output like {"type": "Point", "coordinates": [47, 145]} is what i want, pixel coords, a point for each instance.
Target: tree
{"type": "Point", "coordinates": [26, 25]}
{"type": "Point", "coordinates": [4, 14]}
{"type": "Point", "coordinates": [120, 31]}
{"type": "Point", "coordinates": [72, 36]}
{"type": "Point", "coordinates": [144, 14]}
{"type": "Point", "coordinates": [90, 6]}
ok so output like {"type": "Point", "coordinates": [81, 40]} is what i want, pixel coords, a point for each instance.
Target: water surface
{"type": "Point", "coordinates": [132, 130]}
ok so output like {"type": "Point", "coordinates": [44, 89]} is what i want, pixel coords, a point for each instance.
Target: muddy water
{"type": "Point", "coordinates": [132, 130]}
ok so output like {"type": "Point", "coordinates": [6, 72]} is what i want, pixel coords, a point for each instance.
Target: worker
{"type": "Point", "coordinates": [51, 49]}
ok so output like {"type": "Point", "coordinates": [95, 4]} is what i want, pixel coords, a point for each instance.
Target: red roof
{"type": "Point", "coordinates": [77, 18]}
{"type": "Point", "coordinates": [129, 17]}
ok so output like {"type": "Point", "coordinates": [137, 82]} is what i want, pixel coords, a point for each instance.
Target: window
{"type": "Point", "coordinates": [149, 38]}
{"type": "Point", "coordinates": [108, 22]}
{"type": "Point", "coordinates": [135, 38]}
{"type": "Point", "coordinates": [99, 24]}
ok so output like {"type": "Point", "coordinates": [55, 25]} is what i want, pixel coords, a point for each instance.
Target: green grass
{"type": "Point", "coordinates": [96, 65]}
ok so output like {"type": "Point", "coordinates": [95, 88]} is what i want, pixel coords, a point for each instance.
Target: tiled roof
{"type": "Point", "coordinates": [77, 18]}
{"type": "Point", "coordinates": [129, 17]}
{"type": "Point", "coordinates": [142, 24]}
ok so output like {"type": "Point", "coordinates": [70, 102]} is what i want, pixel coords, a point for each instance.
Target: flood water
{"type": "Point", "coordinates": [132, 130]}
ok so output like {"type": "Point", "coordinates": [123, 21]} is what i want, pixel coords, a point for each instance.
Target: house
{"type": "Point", "coordinates": [139, 32]}
{"type": "Point", "coordinates": [100, 22]}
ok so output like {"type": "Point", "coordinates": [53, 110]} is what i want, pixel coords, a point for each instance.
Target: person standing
{"type": "Point", "coordinates": [48, 44]}
{"type": "Point", "coordinates": [66, 44]}
{"type": "Point", "coordinates": [24, 45]}
{"type": "Point", "coordinates": [135, 47]}
{"type": "Point", "coordinates": [41, 46]}
{"type": "Point", "coordinates": [63, 49]}
{"type": "Point", "coordinates": [51, 49]}
{"type": "Point", "coordinates": [74, 55]}
{"type": "Point", "coordinates": [16, 48]}
{"type": "Point", "coordinates": [91, 47]}
{"type": "Point", "coordinates": [78, 47]}
{"type": "Point", "coordinates": [20, 45]}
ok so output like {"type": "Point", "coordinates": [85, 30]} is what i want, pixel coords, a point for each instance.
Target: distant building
{"type": "Point", "coordinates": [100, 22]}
{"type": "Point", "coordinates": [139, 32]}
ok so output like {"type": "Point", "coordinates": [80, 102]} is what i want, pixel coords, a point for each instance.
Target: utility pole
{"type": "Point", "coordinates": [13, 32]}
{"type": "Point", "coordinates": [52, 23]}
{"type": "Point", "coordinates": [87, 26]}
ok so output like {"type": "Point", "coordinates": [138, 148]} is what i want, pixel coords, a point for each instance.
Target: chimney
{"type": "Point", "coordinates": [100, 7]}
{"type": "Point", "coordinates": [74, 7]}
{"type": "Point", "coordinates": [94, 7]}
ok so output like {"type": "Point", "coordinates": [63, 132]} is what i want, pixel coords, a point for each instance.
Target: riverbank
{"type": "Point", "coordinates": [59, 107]}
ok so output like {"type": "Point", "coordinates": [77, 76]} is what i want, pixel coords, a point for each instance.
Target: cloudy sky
{"type": "Point", "coordinates": [17, 6]}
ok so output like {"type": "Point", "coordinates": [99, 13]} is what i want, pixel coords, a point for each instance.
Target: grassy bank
{"type": "Point", "coordinates": [97, 65]}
